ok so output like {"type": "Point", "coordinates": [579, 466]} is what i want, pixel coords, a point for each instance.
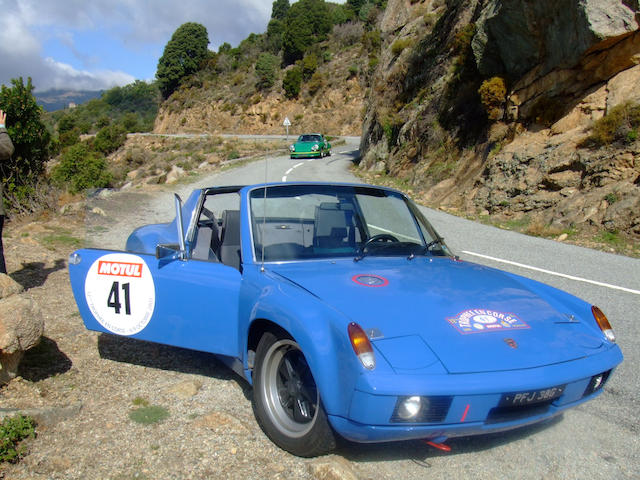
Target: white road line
{"type": "Point", "coordinates": [550, 272]}
{"type": "Point", "coordinates": [284, 179]}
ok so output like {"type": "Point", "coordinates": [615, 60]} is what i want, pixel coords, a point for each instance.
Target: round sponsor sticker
{"type": "Point", "coordinates": [120, 293]}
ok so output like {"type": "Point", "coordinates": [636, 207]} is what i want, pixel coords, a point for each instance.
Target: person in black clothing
{"type": "Point", "coordinates": [6, 150]}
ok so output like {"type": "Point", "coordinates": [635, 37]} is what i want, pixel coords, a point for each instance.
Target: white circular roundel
{"type": "Point", "coordinates": [120, 293]}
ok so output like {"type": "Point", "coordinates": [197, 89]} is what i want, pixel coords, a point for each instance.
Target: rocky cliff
{"type": "Point", "coordinates": [484, 107]}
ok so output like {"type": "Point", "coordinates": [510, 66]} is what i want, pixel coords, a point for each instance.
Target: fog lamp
{"type": "Point", "coordinates": [409, 407]}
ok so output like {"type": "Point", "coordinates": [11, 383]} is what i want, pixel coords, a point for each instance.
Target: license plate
{"type": "Point", "coordinates": [531, 397]}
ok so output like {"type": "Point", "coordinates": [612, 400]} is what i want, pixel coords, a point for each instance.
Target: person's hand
{"type": "Point", "coordinates": [3, 117]}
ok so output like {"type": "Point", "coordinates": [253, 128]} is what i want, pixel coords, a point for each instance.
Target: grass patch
{"type": "Point", "coordinates": [12, 431]}
{"type": "Point", "coordinates": [140, 402]}
{"type": "Point", "coordinates": [517, 224]}
{"type": "Point", "coordinates": [609, 238]}
{"type": "Point", "coordinates": [60, 238]}
{"type": "Point", "coordinates": [149, 415]}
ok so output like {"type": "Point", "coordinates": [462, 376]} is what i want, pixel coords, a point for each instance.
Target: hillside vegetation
{"type": "Point", "coordinates": [312, 66]}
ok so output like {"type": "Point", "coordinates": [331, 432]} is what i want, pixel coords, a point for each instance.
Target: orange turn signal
{"type": "Point", "coordinates": [362, 346]}
{"type": "Point", "coordinates": [603, 323]}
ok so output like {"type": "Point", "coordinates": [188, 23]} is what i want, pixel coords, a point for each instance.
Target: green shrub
{"type": "Point", "coordinates": [493, 95]}
{"type": "Point", "coordinates": [316, 83]}
{"type": "Point", "coordinates": [309, 65]}
{"type": "Point", "coordinates": [81, 168]}
{"type": "Point", "coordinates": [12, 431]}
{"type": "Point", "coordinates": [109, 139]}
{"type": "Point", "coordinates": [399, 45]}
{"type": "Point", "coordinates": [371, 40]}
{"type": "Point", "coordinates": [292, 81]}
{"type": "Point", "coordinates": [620, 124]}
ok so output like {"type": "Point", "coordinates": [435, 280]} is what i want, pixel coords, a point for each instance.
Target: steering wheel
{"type": "Point", "coordinates": [210, 218]}
{"type": "Point", "coordinates": [382, 237]}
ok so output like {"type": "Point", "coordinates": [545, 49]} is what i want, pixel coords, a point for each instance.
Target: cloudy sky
{"type": "Point", "coordinates": [98, 44]}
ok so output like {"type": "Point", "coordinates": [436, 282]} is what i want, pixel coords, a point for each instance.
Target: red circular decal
{"type": "Point", "coordinates": [368, 280]}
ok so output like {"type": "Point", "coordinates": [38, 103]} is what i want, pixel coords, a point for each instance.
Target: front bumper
{"type": "Point", "coordinates": [306, 154]}
{"type": "Point", "coordinates": [473, 400]}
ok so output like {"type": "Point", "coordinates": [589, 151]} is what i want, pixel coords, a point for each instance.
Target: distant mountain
{"type": "Point", "coordinates": [52, 100]}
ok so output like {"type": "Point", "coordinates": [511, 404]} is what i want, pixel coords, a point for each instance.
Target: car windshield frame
{"type": "Point", "coordinates": [308, 137]}
{"type": "Point", "coordinates": [319, 221]}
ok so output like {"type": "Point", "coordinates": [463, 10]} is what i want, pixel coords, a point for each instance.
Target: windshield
{"type": "Point", "coordinates": [299, 222]}
{"type": "Point", "coordinates": [309, 138]}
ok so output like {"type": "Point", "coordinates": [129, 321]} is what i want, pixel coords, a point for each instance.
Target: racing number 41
{"type": "Point", "coordinates": [114, 298]}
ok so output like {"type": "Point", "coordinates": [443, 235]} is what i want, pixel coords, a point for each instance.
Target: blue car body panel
{"type": "Point", "coordinates": [462, 335]}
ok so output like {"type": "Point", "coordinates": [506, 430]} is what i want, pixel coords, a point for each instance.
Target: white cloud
{"type": "Point", "coordinates": [21, 56]}
{"type": "Point", "coordinates": [65, 76]}
{"type": "Point", "coordinates": [140, 26]}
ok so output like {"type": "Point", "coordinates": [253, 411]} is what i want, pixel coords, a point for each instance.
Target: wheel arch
{"type": "Point", "coordinates": [323, 353]}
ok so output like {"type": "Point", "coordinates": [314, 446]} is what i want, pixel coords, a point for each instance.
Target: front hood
{"type": "Point", "coordinates": [474, 318]}
{"type": "Point", "coordinates": [305, 145]}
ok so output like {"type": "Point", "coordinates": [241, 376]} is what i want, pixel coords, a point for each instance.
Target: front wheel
{"type": "Point", "coordinates": [286, 400]}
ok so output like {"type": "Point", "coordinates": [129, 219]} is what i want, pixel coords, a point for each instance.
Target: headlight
{"type": "Point", "coordinates": [603, 323]}
{"type": "Point", "coordinates": [409, 408]}
{"type": "Point", "coordinates": [292, 148]}
{"type": "Point", "coordinates": [315, 147]}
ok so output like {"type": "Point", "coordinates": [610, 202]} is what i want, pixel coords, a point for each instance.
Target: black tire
{"type": "Point", "coordinates": [286, 401]}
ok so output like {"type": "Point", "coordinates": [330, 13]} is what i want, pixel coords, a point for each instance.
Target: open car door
{"type": "Point", "coordinates": [185, 303]}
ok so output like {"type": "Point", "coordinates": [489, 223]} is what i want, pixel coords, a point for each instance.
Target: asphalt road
{"type": "Point", "coordinates": [600, 439]}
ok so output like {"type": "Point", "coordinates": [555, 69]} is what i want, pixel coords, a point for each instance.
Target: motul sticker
{"type": "Point", "coordinates": [119, 269]}
{"type": "Point", "coordinates": [482, 321]}
{"type": "Point", "coordinates": [120, 292]}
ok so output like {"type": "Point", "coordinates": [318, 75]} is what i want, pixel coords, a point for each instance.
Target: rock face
{"type": "Point", "coordinates": [21, 326]}
{"type": "Point", "coordinates": [515, 36]}
{"type": "Point", "coordinates": [565, 64]}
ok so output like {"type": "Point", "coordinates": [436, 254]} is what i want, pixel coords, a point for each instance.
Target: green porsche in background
{"type": "Point", "coordinates": [310, 145]}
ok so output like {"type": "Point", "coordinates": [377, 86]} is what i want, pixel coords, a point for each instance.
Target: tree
{"type": "Point", "coordinates": [266, 70]}
{"type": "Point", "coordinates": [182, 56]}
{"type": "Point", "coordinates": [29, 135]}
{"type": "Point", "coordinates": [280, 9]}
{"type": "Point", "coordinates": [273, 41]}
{"type": "Point", "coordinates": [307, 22]}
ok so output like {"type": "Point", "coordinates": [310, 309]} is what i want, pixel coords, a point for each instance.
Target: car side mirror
{"type": "Point", "coordinates": [170, 250]}
{"type": "Point", "coordinates": [174, 250]}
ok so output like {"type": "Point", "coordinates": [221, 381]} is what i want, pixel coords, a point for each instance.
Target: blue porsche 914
{"type": "Point", "coordinates": [349, 316]}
